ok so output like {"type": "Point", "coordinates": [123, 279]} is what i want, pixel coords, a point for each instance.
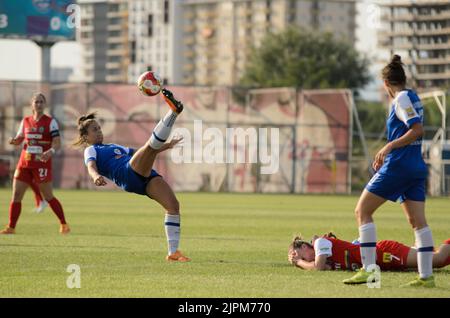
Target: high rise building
{"type": "Point", "coordinates": [420, 32]}
{"type": "Point", "coordinates": [123, 38]}
{"type": "Point", "coordinates": [218, 34]}
{"type": "Point", "coordinates": [194, 42]}
{"type": "Point", "coordinates": [104, 37]}
{"type": "Point", "coordinates": [155, 32]}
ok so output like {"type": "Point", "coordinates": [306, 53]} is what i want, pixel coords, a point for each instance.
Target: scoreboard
{"type": "Point", "coordinates": [48, 20]}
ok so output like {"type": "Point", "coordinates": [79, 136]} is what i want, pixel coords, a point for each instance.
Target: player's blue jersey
{"type": "Point", "coordinates": [406, 110]}
{"type": "Point", "coordinates": [109, 158]}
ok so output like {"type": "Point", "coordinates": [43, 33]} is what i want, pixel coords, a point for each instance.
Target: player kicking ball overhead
{"type": "Point", "coordinates": [132, 170]}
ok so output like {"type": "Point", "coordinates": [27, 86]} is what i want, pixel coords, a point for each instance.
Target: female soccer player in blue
{"type": "Point", "coordinates": [400, 175]}
{"type": "Point", "coordinates": [132, 169]}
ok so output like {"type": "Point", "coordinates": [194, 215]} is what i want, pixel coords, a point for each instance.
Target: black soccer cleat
{"type": "Point", "coordinates": [174, 104]}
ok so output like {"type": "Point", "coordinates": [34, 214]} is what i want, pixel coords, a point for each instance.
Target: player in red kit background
{"type": "Point", "coordinates": [40, 135]}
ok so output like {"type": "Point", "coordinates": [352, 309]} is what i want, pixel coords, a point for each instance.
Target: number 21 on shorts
{"type": "Point", "coordinates": [43, 173]}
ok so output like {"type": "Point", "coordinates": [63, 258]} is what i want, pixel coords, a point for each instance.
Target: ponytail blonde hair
{"type": "Point", "coordinates": [298, 241]}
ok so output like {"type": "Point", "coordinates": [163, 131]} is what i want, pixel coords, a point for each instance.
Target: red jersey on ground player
{"type": "Point", "coordinates": [329, 253]}
{"type": "Point", "coordinates": [391, 255]}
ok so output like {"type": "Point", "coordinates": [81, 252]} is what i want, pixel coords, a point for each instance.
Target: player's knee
{"type": "Point", "coordinates": [359, 215]}
{"type": "Point", "coordinates": [172, 206]}
{"type": "Point", "coordinates": [48, 198]}
{"type": "Point", "coordinates": [412, 221]}
{"type": "Point", "coordinates": [47, 195]}
{"type": "Point", "coordinates": [175, 206]}
{"type": "Point", "coordinates": [17, 195]}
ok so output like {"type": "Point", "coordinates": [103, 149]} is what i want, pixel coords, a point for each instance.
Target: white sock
{"type": "Point", "coordinates": [425, 244]}
{"type": "Point", "coordinates": [170, 118]}
{"type": "Point", "coordinates": [162, 130]}
{"type": "Point", "coordinates": [172, 225]}
{"type": "Point", "coordinates": [368, 236]}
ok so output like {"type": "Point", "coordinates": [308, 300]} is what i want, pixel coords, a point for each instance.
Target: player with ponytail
{"type": "Point", "coordinates": [400, 176]}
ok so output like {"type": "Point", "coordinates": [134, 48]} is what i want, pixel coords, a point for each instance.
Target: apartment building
{"type": "Point", "coordinates": [105, 40]}
{"type": "Point", "coordinates": [419, 31]}
{"type": "Point", "coordinates": [218, 34]}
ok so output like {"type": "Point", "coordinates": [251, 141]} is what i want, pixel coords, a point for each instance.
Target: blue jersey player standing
{"type": "Point", "coordinates": [400, 175]}
{"type": "Point", "coordinates": [132, 169]}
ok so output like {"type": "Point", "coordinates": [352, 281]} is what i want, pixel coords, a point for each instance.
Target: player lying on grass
{"type": "Point", "coordinates": [132, 170]}
{"type": "Point", "coordinates": [330, 253]}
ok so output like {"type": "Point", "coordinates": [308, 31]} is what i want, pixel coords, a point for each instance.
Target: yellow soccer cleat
{"type": "Point", "coordinates": [177, 257]}
{"type": "Point", "coordinates": [421, 282]}
{"type": "Point", "coordinates": [8, 230]}
{"type": "Point", "coordinates": [64, 229]}
{"type": "Point", "coordinates": [361, 277]}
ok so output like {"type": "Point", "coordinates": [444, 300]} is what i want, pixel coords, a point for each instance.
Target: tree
{"type": "Point", "coordinates": [305, 59]}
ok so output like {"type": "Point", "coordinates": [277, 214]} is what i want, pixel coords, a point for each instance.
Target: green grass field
{"type": "Point", "coordinates": [238, 244]}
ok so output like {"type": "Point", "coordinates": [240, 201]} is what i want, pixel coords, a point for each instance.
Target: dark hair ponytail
{"type": "Point", "coordinates": [396, 59]}
{"type": "Point", "coordinates": [83, 118]}
{"type": "Point", "coordinates": [394, 72]}
{"type": "Point", "coordinates": [83, 125]}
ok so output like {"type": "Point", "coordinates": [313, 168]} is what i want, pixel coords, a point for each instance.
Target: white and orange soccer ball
{"type": "Point", "coordinates": [149, 83]}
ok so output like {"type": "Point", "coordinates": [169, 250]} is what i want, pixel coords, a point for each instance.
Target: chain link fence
{"type": "Point", "coordinates": [312, 153]}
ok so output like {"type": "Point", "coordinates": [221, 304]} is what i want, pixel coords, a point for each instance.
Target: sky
{"type": "Point", "coordinates": [20, 59]}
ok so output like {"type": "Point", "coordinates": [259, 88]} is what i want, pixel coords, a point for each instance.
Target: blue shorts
{"type": "Point", "coordinates": [395, 188]}
{"type": "Point", "coordinates": [131, 181]}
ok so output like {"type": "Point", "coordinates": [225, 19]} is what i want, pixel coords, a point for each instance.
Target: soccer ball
{"type": "Point", "coordinates": [149, 83]}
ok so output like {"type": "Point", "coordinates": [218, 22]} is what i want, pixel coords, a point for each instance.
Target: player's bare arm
{"type": "Point", "coordinates": [319, 263]}
{"type": "Point", "coordinates": [16, 141]}
{"type": "Point", "coordinates": [415, 132]}
{"type": "Point", "coordinates": [304, 264]}
{"type": "Point", "coordinates": [98, 179]}
{"type": "Point", "coordinates": [56, 145]}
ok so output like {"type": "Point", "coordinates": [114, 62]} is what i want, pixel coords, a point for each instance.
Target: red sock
{"type": "Point", "coordinates": [57, 208]}
{"type": "Point", "coordinates": [37, 193]}
{"type": "Point", "coordinates": [14, 212]}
